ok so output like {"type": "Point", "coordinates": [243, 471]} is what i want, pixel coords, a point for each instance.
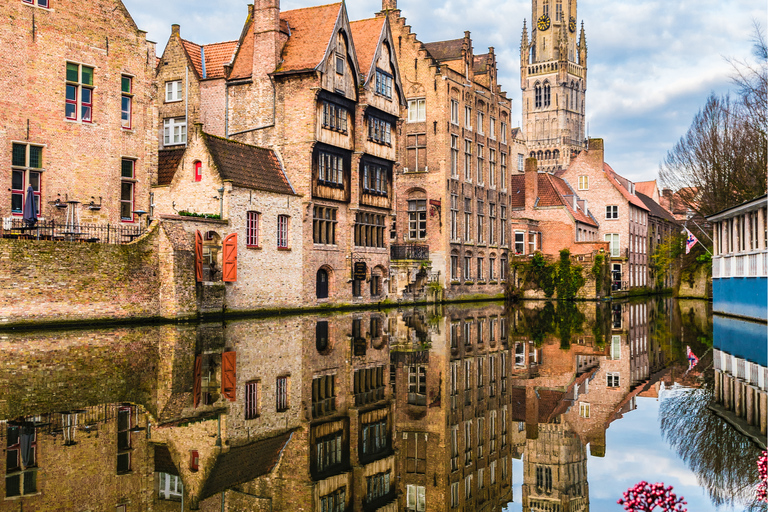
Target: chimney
{"type": "Point", "coordinates": [531, 183]}
{"type": "Point", "coordinates": [175, 30]}
{"type": "Point", "coordinates": [388, 5]}
{"type": "Point", "coordinates": [266, 36]}
{"type": "Point", "coordinates": [595, 150]}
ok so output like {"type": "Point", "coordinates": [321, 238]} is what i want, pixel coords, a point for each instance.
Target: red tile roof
{"type": "Point", "coordinates": [645, 187]}
{"type": "Point", "coordinates": [551, 192]}
{"type": "Point", "coordinates": [167, 163]}
{"type": "Point", "coordinates": [243, 65]}
{"type": "Point", "coordinates": [311, 33]}
{"type": "Point", "coordinates": [611, 175]}
{"type": "Point", "coordinates": [445, 50]}
{"type": "Point", "coordinates": [366, 35]}
{"type": "Point", "coordinates": [216, 55]}
{"type": "Point", "coordinates": [193, 51]}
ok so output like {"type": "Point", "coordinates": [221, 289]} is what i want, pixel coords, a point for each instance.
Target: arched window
{"type": "Point", "coordinates": [533, 154]}
{"type": "Point", "coordinates": [322, 284]}
{"type": "Point", "coordinates": [539, 155]}
{"type": "Point", "coordinates": [556, 154]}
{"type": "Point", "coordinates": [537, 92]}
{"type": "Point", "coordinates": [546, 94]}
{"type": "Point", "coordinates": [547, 155]}
{"type": "Point", "coordinates": [321, 336]}
{"type": "Point", "coordinates": [546, 7]}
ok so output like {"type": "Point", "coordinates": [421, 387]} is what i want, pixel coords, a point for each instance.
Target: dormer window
{"type": "Point", "coordinates": [384, 83]}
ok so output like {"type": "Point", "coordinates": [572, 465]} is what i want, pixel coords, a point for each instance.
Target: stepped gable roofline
{"type": "Point", "coordinates": [445, 50]}
{"type": "Point", "coordinates": [244, 463]}
{"type": "Point", "coordinates": [248, 166]}
{"type": "Point", "coordinates": [481, 64]}
{"type": "Point", "coordinates": [613, 179]}
{"type": "Point", "coordinates": [656, 209]}
{"type": "Point", "coordinates": [167, 162]}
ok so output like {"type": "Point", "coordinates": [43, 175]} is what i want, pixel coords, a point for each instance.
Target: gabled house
{"type": "Point", "coordinates": [661, 226]}
{"type": "Point", "coordinates": [239, 203]}
{"type": "Point", "coordinates": [622, 215]}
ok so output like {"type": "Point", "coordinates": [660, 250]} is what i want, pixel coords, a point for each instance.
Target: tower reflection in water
{"type": "Point", "coordinates": [418, 409]}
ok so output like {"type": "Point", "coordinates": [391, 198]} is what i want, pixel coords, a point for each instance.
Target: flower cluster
{"type": "Point", "coordinates": [645, 497]}
{"type": "Point", "coordinates": [762, 469]}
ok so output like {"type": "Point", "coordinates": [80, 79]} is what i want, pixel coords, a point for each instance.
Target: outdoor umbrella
{"type": "Point", "coordinates": [30, 212]}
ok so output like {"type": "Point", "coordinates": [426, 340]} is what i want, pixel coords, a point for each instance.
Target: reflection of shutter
{"type": "Point", "coordinates": [230, 258]}
{"type": "Point", "coordinates": [196, 386]}
{"type": "Point", "coordinates": [228, 375]}
{"type": "Point", "coordinates": [198, 256]}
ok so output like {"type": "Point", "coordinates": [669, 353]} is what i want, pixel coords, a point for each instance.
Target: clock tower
{"type": "Point", "coordinates": [553, 77]}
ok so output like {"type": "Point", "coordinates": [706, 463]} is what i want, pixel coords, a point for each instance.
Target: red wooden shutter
{"type": "Point", "coordinates": [197, 382]}
{"type": "Point", "coordinates": [198, 256]}
{"type": "Point", "coordinates": [228, 375]}
{"type": "Point", "coordinates": [229, 270]}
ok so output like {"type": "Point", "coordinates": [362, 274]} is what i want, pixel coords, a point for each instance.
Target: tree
{"type": "Point", "coordinates": [721, 161]}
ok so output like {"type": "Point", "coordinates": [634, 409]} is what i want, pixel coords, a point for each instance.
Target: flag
{"type": "Point", "coordinates": [690, 241]}
{"type": "Point", "coordinates": [692, 359]}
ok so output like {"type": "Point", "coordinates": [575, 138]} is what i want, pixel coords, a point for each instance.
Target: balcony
{"type": "Point", "coordinates": [408, 252]}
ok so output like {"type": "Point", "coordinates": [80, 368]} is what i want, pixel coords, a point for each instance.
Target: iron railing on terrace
{"type": "Point", "coordinates": [66, 232]}
{"type": "Point", "coordinates": [408, 252]}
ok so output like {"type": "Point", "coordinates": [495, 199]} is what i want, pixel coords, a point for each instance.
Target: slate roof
{"type": "Point", "coordinates": [655, 208]}
{"type": "Point", "coordinates": [167, 163]}
{"type": "Point", "coordinates": [247, 166]}
{"type": "Point", "coordinates": [216, 55]}
{"type": "Point", "coordinates": [366, 35]}
{"type": "Point", "coordinates": [611, 175]}
{"type": "Point", "coordinates": [311, 32]}
{"type": "Point", "coordinates": [244, 463]}
{"type": "Point", "coordinates": [445, 50]}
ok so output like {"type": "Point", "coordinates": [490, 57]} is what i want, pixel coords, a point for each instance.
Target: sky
{"type": "Point", "coordinates": [651, 63]}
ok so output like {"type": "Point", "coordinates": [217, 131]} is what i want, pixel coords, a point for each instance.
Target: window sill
{"type": "Point", "coordinates": [172, 101]}
{"type": "Point", "coordinates": [128, 130]}
{"type": "Point", "coordinates": [253, 247]}
{"type": "Point", "coordinates": [469, 282]}
{"type": "Point", "coordinates": [283, 248]}
{"type": "Point", "coordinates": [481, 283]}
{"type": "Point", "coordinates": [455, 282]}
{"type": "Point", "coordinates": [80, 121]}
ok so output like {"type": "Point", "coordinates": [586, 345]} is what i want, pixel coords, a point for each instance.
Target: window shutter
{"type": "Point", "coordinates": [228, 375]}
{"type": "Point", "coordinates": [230, 258]}
{"type": "Point", "coordinates": [198, 256]}
{"type": "Point", "coordinates": [197, 384]}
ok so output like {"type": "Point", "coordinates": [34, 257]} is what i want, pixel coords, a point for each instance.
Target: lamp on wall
{"type": "Point", "coordinates": [93, 206]}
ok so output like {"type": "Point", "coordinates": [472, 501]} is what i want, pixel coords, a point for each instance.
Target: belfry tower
{"type": "Point", "coordinates": [553, 77]}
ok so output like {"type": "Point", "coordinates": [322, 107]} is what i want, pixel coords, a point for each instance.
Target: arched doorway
{"type": "Point", "coordinates": [322, 284]}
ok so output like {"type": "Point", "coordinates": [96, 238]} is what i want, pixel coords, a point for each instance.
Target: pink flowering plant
{"type": "Point", "coordinates": [762, 468]}
{"type": "Point", "coordinates": [645, 497]}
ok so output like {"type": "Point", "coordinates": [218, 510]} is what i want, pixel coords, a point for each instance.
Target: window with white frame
{"type": "Point", "coordinates": [79, 93]}
{"type": "Point", "coordinates": [467, 219]}
{"type": "Point", "coordinates": [492, 168]}
{"type": "Point", "coordinates": [615, 347]}
{"type": "Point", "coordinates": [503, 132]}
{"type": "Point", "coordinates": [282, 231]}
{"type": "Point", "coordinates": [492, 129]}
{"type": "Point", "coordinates": [583, 182]}
{"type": "Point", "coordinates": [455, 495]}
{"type": "Point", "coordinates": [503, 231]}
{"type": "Point", "coordinates": [584, 409]}
{"type": "Point", "coordinates": [173, 91]}
{"type": "Point", "coordinates": [468, 160]}
{"type": "Point", "coordinates": [503, 177]}
{"type": "Point", "coordinates": [613, 379]}
{"type": "Point", "coordinates": [467, 268]}
{"type": "Point", "coordinates": [417, 219]}
{"type": "Point", "coordinates": [330, 169]}
{"type": "Point", "coordinates": [454, 217]}
{"type": "Point", "coordinates": [40, 3]}
{"type": "Point", "coordinates": [455, 112]}
{"type": "Point", "coordinates": [335, 117]}
{"type": "Point", "coordinates": [613, 239]}
{"type": "Point", "coordinates": [480, 164]}
{"type": "Point", "coordinates": [26, 171]}
{"type": "Point", "coordinates": [468, 117]}
{"type": "Point", "coordinates": [174, 131]}
{"type": "Point", "coordinates": [252, 229]}
{"type": "Point", "coordinates": [169, 487]}
{"type": "Point", "coordinates": [612, 212]}
{"type": "Point", "coordinates": [519, 242]}
{"type": "Point", "coordinates": [480, 222]}
{"type": "Point", "coordinates": [520, 162]}
{"type": "Point", "coordinates": [454, 156]}
{"type": "Point", "coordinates": [480, 122]}
{"type": "Point", "coordinates": [416, 500]}
{"type": "Point", "coordinates": [492, 223]}
{"type": "Point", "coordinates": [375, 179]}
{"type": "Point", "coordinates": [417, 110]}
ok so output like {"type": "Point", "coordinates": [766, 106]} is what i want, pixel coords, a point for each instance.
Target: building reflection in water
{"type": "Point", "coordinates": [418, 409]}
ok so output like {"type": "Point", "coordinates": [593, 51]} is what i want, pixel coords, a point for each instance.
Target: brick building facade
{"type": "Point", "coordinates": [78, 123]}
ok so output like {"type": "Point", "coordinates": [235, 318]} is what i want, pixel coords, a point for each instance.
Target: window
{"type": "Point", "coordinates": [480, 122]}
{"type": "Point", "coordinates": [492, 269]}
{"type": "Point", "coordinates": [613, 238]}
{"type": "Point", "coordinates": [339, 65]}
{"type": "Point", "coordinates": [282, 231]}
{"type": "Point", "coordinates": [531, 242]}
{"type": "Point", "coordinates": [492, 223]}
{"type": "Point", "coordinates": [127, 181]}
{"type": "Point", "coordinates": [417, 385]}
{"type": "Point", "coordinates": [454, 267]}
{"type": "Point", "coordinates": [416, 152]}
{"type": "Point", "coordinates": [613, 379]}
{"type": "Point", "coordinates": [173, 91]}
{"type": "Point", "coordinates": [324, 225]}
{"type": "Point", "coordinates": [480, 222]}
{"type": "Point", "coordinates": [416, 500]}
{"type": "Point", "coordinates": [417, 219]}
{"type": "Point", "coordinates": [378, 486]}
{"type": "Point", "coordinates": [480, 477]}
{"type": "Point", "coordinates": [123, 440]}
{"type": "Point", "coordinates": [375, 179]}
{"type": "Point", "coordinates": [493, 472]}
{"type": "Point", "coordinates": [455, 112]}
{"type": "Point", "coordinates": [520, 162]}
{"type": "Point", "coordinates": [503, 184]}
{"type": "Point", "coordinates": [26, 171]}
{"type": "Point", "coordinates": [546, 94]}
{"type": "Point", "coordinates": [537, 95]}
{"type": "Point", "coordinates": [417, 110]}
{"type": "Point", "coordinates": [543, 479]}
{"type": "Point", "coordinates": [281, 394]}
{"type": "Point", "coordinates": [503, 232]}
{"type": "Point", "coordinates": [468, 160]}
{"type": "Point", "coordinates": [612, 212]}
{"type": "Point", "coordinates": [79, 97]}
{"type": "Point", "coordinates": [455, 495]}
{"type": "Point", "coordinates": [21, 461]}
{"type": "Point", "coordinates": [480, 166]}
{"type": "Point", "coordinates": [493, 128]}
{"type": "Point", "coordinates": [252, 391]}
{"type": "Point", "coordinates": [468, 487]}
{"type": "Point", "coordinates": [329, 451]}
{"type": "Point", "coordinates": [616, 345]}
{"type": "Point", "coordinates": [467, 363]}
{"type": "Point", "coordinates": [330, 169]}
{"type": "Point", "coordinates": [174, 131]}
{"type": "Point", "coordinates": [467, 219]}
{"type": "Point", "coordinates": [503, 132]}
{"type": "Point", "coordinates": [383, 83]}
{"type": "Point", "coordinates": [169, 487]}
{"type": "Point", "coordinates": [503, 268]}
{"type": "Point", "coordinates": [468, 117]}
{"type": "Point", "coordinates": [454, 156]}
{"type": "Point", "coordinates": [368, 383]}
{"type": "Point", "coordinates": [467, 443]}
{"type": "Point", "coordinates": [369, 230]}
{"type": "Point", "coordinates": [375, 437]}
{"type": "Point", "coordinates": [583, 182]}
{"type": "Point", "coordinates": [379, 131]}
{"type": "Point", "coordinates": [454, 216]}
{"type": "Point", "coordinates": [126, 102]}
{"type": "Point", "coordinates": [584, 409]}
{"type": "Point", "coordinates": [334, 117]}
{"type": "Point", "coordinates": [492, 168]}
{"type": "Point", "coordinates": [39, 3]}
{"type": "Point", "coordinates": [467, 268]}
{"type": "Point", "coordinates": [198, 168]}
{"type": "Point", "coordinates": [323, 395]}
{"type": "Point", "coordinates": [519, 242]}
{"type": "Point", "coordinates": [334, 502]}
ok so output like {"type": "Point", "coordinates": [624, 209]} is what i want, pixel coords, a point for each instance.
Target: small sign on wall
{"type": "Point", "coordinates": [359, 270]}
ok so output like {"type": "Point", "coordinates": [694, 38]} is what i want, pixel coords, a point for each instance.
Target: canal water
{"type": "Point", "coordinates": [484, 406]}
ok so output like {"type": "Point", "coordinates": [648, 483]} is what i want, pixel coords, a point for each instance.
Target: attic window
{"type": "Point", "coordinates": [383, 83]}
{"type": "Point", "coordinates": [339, 64]}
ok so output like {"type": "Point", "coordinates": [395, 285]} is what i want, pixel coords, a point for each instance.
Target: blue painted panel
{"type": "Point", "coordinates": [742, 296]}
{"type": "Point", "coordinates": [741, 338]}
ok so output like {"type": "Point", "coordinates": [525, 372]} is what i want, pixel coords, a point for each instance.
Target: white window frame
{"type": "Point", "coordinates": [174, 131]}
{"type": "Point", "coordinates": [468, 117]}
{"type": "Point", "coordinates": [170, 487]}
{"type": "Point", "coordinates": [417, 110]}
{"type": "Point", "coordinates": [611, 211]}
{"type": "Point", "coordinates": [173, 90]}
{"type": "Point", "coordinates": [584, 409]}
{"type": "Point", "coordinates": [583, 182]}
{"type": "Point", "coordinates": [455, 112]}
{"type": "Point", "coordinates": [480, 121]}
{"type": "Point", "coordinates": [613, 379]}
{"type": "Point", "coordinates": [492, 129]}
{"type": "Point", "coordinates": [615, 240]}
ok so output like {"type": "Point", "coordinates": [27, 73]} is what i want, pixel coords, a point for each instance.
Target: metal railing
{"type": "Point", "coordinates": [65, 232]}
{"type": "Point", "coordinates": [409, 252]}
